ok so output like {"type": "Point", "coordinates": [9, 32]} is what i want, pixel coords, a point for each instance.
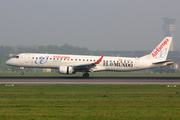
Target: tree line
{"type": "Point", "coordinates": [53, 49]}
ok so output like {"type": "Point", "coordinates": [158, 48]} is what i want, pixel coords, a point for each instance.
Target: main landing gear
{"type": "Point", "coordinates": [86, 75]}
{"type": "Point", "coordinates": [22, 72]}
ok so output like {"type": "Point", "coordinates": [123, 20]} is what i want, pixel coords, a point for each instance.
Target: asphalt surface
{"type": "Point", "coordinates": [91, 80]}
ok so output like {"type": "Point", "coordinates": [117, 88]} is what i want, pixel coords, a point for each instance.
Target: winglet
{"type": "Point", "coordinates": [97, 62]}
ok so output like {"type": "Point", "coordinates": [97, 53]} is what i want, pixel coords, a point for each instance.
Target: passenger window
{"type": "Point", "coordinates": [32, 57]}
{"type": "Point", "coordinates": [79, 59]}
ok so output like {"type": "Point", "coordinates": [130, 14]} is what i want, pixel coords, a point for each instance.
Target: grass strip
{"type": "Point", "coordinates": [54, 102]}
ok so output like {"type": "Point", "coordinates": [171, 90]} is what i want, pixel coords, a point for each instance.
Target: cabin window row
{"type": "Point", "coordinates": [64, 59]}
{"type": "Point", "coordinates": [72, 59]}
{"type": "Point", "coordinates": [110, 61]}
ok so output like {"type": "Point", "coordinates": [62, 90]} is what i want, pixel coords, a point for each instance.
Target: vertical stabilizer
{"type": "Point", "coordinates": [161, 51]}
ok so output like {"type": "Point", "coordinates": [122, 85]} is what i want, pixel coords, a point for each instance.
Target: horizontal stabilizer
{"type": "Point", "coordinates": [167, 62]}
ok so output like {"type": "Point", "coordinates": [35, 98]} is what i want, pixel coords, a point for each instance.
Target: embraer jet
{"type": "Point", "coordinates": [70, 64]}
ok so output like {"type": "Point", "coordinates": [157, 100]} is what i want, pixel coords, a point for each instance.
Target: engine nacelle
{"type": "Point", "coordinates": [66, 70]}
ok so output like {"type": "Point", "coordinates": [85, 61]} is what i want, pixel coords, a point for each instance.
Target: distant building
{"type": "Point", "coordinates": [46, 70]}
{"type": "Point", "coordinates": [11, 55]}
{"type": "Point", "coordinates": [169, 27]}
{"type": "Point", "coordinates": [176, 66]}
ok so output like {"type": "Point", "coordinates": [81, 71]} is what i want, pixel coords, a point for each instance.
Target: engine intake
{"type": "Point", "coordinates": [66, 70]}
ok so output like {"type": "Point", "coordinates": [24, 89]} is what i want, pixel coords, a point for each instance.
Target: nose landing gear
{"type": "Point", "coordinates": [22, 72]}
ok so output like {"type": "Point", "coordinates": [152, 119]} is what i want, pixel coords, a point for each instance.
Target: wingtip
{"type": "Point", "coordinates": [97, 62]}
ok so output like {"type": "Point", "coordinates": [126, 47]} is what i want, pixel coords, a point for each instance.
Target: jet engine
{"type": "Point", "coordinates": [66, 70]}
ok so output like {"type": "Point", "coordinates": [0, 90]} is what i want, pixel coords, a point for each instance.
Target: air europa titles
{"type": "Point", "coordinates": [125, 63]}
{"type": "Point", "coordinates": [158, 49]}
{"type": "Point", "coordinates": [58, 56]}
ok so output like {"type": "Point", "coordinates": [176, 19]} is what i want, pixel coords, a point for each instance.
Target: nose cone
{"type": "Point", "coordinates": [8, 62]}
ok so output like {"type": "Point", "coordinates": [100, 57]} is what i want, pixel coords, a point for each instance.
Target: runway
{"type": "Point", "coordinates": [90, 80]}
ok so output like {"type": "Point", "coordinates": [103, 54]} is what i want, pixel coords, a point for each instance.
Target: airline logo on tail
{"type": "Point", "coordinates": [159, 49]}
{"type": "Point", "coordinates": [162, 53]}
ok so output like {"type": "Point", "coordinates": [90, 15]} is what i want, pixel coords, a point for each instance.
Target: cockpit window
{"type": "Point", "coordinates": [16, 57]}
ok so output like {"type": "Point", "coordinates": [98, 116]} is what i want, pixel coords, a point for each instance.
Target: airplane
{"type": "Point", "coordinates": [70, 64]}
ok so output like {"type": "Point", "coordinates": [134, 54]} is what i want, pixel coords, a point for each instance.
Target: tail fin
{"type": "Point", "coordinates": [161, 51]}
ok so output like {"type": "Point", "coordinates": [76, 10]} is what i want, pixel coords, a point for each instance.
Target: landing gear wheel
{"type": "Point", "coordinates": [22, 72]}
{"type": "Point", "coordinates": [86, 75]}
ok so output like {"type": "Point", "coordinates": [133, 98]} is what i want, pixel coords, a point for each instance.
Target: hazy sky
{"type": "Point", "coordinates": [95, 24]}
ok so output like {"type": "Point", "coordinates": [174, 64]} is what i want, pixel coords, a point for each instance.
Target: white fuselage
{"type": "Point", "coordinates": [36, 60]}
{"type": "Point", "coordinates": [70, 64]}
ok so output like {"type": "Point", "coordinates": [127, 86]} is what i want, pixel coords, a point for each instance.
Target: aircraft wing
{"type": "Point", "coordinates": [87, 67]}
